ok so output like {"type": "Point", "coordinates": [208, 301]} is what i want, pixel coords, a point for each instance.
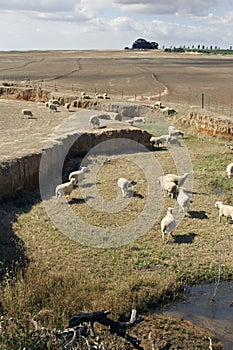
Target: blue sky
{"type": "Point", "coordinates": [114, 24]}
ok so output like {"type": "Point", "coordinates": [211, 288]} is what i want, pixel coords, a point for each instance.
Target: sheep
{"type": "Point", "coordinates": [183, 200]}
{"type": "Point", "coordinates": [65, 189]}
{"type": "Point", "coordinates": [54, 102]}
{"type": "Point", "coordinates": [82, 94]}
{"type": "Point", "coordinates": [105, 96]}
{"type": "Point", "coordinates": [126, 186]}
{"type": "Point", "coordinates": [27, 112]}
{"type": "Point", "coordinates": [167, 186]}
{"type": "Point", "coordinates": [168, 224]}
{"type": "Point", "coordinates": [229, 170]}
{"type": "Point", "coordinates": [94, 121]}
{"type": "Point", "coordinates": [98, 95]}
{"type": "Point", "coordinates": [174, 132]}
{"type": "Point", "coordinates": [67, 106]}
{"type": "Point", "coordinates": [46, 104]}
{"type": "Point", "coordinates": [78, 174]}
{"type": "Point", "coordinates": [130, 122]}
{"type": "Point", "coordinates": [224, 210]}
{"type": "Point", "coordinates": [229, 146]}
{"type": "Point", "coordinates": [139, 120]}
{"type": "Point", "coordinates": [53, 108]}
{"type": "Point", "coordinates": [168, 110]}
{"type": "Point", "coordinates": [160, 140]}
{"type": "Point", "coordinates": [177, 179]}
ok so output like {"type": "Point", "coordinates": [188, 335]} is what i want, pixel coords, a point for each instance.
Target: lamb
{"type": "Point", "coordinates": [78, 174]}
{"type": "Point", "coordinates": [174, 132]}
{"type": "Point", "coordinates": [139, 120]}
{"type": "Point", "coordinates": [94, 121]}
{"type": "Point", "coordinates": [168, 187]}
{"type": "Point", "coordinates": [126, 186]}
{"type": "Point", "coordinates": [65, 189]}
{"type": "Point", "coordinates": [178, 180]}
{"type": "Point", "coordinates": [183, 200]}
{"type": "Point", "coordinates": [224, 210]}
{"type": "Point", "coordinates": [229, 170]}
{"type": "Point", "coordinates": [168, 224]}
{"type": "Point", "coordinates": [161, 140]}
{"type": "Point", "coordinates": [27, 112]}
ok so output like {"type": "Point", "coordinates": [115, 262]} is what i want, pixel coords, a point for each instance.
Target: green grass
{"type": "Point", "coordinates": [65, 277]}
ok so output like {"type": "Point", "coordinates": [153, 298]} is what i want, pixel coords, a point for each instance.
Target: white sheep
{"type": "Point", "coordinates": [65, 189]}
{"type": "Point", "coordinates": [54, 102]}
{"type": "Point", "coordinates": [139, 120]}
{"type": "Point", "coordinates": [183, 200]}
{"type": "Point", "coordinates": [98, 95]}
{"type": "Point", "coordinates": [224, 210]}
{"type": "Point", "coordinates": [168, 224]}
{"type": "Point", "coordinates": [94, 121]}
{"type": "Point", "coordinates": [168, 187]}
{"type": "Point", "coordinates": [126, 186]}
{"type": "Point", "coordinates": [229, 170]}
{"type": "Point", "coordinates": [27, 112]}
{"type": "Point", "coordinates": [177, 179]}
{"type": "Point", "coordinates": [105, 96]}
{"type": "Point", "coordinates": [160, 140]}
{"type": "Point", "coordinates": [82, 94]}
{"type": "Point", "coordinates": [172, 131]}
{"type": "Point", "coordinates": [78, 174]}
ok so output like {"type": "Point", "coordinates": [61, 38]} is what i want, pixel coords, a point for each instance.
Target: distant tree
{"type": "Point", "coordinates": [211, 47]}
{"type": "Point", "coordinates": [144, 44]}
{"type": "Point", "coordinates": [230, 47]}
{"type": "Point", "coordinates": [198, 46]}
{"type": "Point", "coordinates": [193, 46]}
{"type": "Point", "coordinates": [203, 47]}
{"type": "Point", "coordinates": [215, 47]}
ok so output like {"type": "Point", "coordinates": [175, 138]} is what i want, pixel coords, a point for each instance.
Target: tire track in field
{"type": "Point", "coordinates": [154, 77]}
{"type": "Point", "coordinates": [22, 65]}
{"type": "Point", "coordinates": [67, 74]}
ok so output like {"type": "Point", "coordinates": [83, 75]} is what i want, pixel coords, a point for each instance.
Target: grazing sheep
{"type": "Point", "coordinates": [82, 94]}
{"type": "Point", "coordinates": [168, 187]}
{"type": "Point", "coordinates": [177, 179]}
{"type": "Point", "coordinates": [174, 132]}
{"type": "Point", "coordinates": [94, 121]}
{"type": "Point", "coordinates": [161, 140]}
{"type": "Point", "coordinates": [229, 146]}
{"type": "Point", "coordinates": [54, 102]}
{"type": "Point", "coordinates": [139, 120]}
{"type": "Point", "coordinates": [53, 108]}
{"type": "Point", "coordinates": [224, 210]}
{"type": "Point", "coordinates": [158, 104]}
{"type": "Point", "coordinates": [27, 112]}
{"type": "Point", "coordinates": [78, 174]}
{"type": "Point", "coordinates": [183, 200]}
{"type": "Point", "coordinates": [168, 224]}
{"type": "Point", "coordinates": [229, 170]}
{"type": "Point", "coordinates": [168, 110]}
{"type": "Point", "coordinates": [65, 189]}
{"type": "Point", "coordinates": [126, 186]}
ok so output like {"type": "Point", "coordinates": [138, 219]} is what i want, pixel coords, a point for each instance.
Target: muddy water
{"type": "Point", "coordinates": [215, 315]}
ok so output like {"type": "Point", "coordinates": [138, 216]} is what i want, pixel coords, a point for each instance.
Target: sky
{"type": "Point", "coordinates": [114, 24]}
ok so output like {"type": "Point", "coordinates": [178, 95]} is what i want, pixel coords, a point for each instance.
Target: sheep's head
{"type": "Point", "coordinates": [218, 204]}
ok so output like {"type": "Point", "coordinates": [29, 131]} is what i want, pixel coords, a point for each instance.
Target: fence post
{"type": "Point", "coordinates": [202, 100]}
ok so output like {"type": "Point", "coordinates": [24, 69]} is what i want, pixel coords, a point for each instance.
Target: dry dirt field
{"type": "Point", "coordinates": [140, 77]}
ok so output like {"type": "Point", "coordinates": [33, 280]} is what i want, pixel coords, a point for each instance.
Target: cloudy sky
{"type": "Point", "coordinates": [114, 24]}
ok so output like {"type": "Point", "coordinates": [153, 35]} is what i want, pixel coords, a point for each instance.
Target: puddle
{"type": "Point", "coordinates": [215, 316]}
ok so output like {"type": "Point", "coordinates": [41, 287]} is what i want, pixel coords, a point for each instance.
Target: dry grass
{"type": "Point", "coordinates": [66, 277]}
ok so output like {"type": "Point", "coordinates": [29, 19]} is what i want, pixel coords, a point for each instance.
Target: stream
{"type": "Point", "coordinates": [199, 307]}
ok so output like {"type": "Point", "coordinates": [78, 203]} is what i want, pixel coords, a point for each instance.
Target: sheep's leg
{"type": "Point", "coordinates": [219, 217]}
